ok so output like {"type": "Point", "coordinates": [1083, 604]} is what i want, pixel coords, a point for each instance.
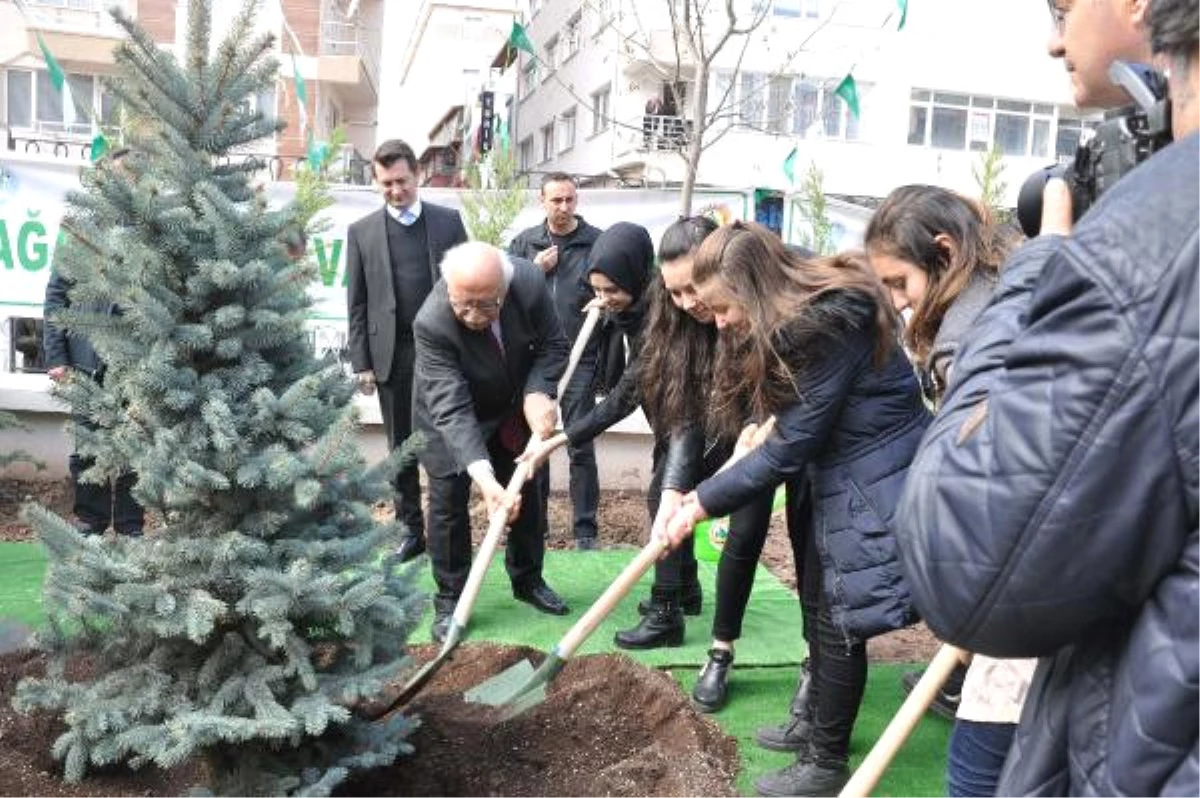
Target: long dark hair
{"type": "Point", "coordinates": [788, 331]}
{"type": "Point", "coordinates": [905, 226]}
{"type": "Point", "coordinates": [677, 350]}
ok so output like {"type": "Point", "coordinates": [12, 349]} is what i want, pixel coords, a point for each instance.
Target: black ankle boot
{"type": "Point", "coordinates": [661, 627]}
{"type": "Point", "coordinates": [712, 686]}
{"type": "Point", "coordinates": [692, 601]}
{"type": "Point", "coordinates": [794, 733]}
{"type": "Point", "coordinates": [808, 775]}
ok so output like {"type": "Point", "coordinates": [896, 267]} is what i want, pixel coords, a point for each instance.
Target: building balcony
{"type": "Point", "coordinates": [348, 57]}
{"type": "Point", "coordinates": [80, 33]}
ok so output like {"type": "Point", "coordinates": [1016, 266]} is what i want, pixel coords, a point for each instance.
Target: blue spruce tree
{"type": "Point", "coordinates": [244, 628]}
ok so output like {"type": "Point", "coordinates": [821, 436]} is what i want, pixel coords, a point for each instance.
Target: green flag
{"type": "Point", "coordinates": [519, 39]}
{"type": "Point", "coordinates": [848, 91]}
{"type": "Point", "coordinates": [59, 79]}
{"type": "Point", "coordinates": [789, 166]}
{"type": "Point", "coordinates": [99, 146]}
{"type": "Point", "coordinates": [317, 153]}
{"type": "Point", "coordinates": [903, 13]}
{"type": "Point", "coordinates": [301, 95]}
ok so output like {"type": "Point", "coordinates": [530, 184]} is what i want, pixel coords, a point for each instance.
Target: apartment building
{"type": "Point", "coordinates": [961, 77]}
{"type": "Point", "coordinates": [335, 43]}
{"type": "Point", "coordinates": [452, 52]}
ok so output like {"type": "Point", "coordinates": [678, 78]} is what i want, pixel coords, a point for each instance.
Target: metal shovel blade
{"type": "Point", "coordinates": [503, 687]}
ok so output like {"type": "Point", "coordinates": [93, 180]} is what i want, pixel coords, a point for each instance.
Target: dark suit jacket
{"type": "Point", "coordinates": [463, 389]}
{"type": "Point", "coordinates": [62, 348]}
{"type": "Point", "coordinates": [371, 291]}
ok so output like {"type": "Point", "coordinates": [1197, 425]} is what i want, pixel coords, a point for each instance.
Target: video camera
{"type": "Point", "coordinates": [1125, 138]}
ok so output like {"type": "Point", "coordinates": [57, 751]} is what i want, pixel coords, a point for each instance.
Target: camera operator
{"type": "Point", "coordinates": [1052, 508]}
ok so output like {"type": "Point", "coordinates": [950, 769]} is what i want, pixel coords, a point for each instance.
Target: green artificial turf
{"type": "Point", "coordinates": [760, 696]}
{"type": "Point", "coordinates": [764, 673]}
{"type": "Point", "coordinates": [22, 566]}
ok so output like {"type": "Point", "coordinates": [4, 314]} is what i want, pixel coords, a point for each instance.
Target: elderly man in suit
{"type": "Point", "coordinates": [392, 263]}
{"type": "Point", "coordinates": [489, 352]}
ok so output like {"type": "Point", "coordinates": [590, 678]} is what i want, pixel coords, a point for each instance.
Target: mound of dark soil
{"type": "Point", "coordinates": [608, 727]}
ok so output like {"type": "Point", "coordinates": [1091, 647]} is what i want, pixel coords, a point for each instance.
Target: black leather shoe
{"type": "Point", "coordinates": [441, 625]}
{"type": "Point", "coordinates": [692, 601]}
{"type": "Point", "coordinates": [411, 547]}
{"type": "Point", "coordinates": [662, 627]}
{"type": "Point", "coordinates": [713, 685]}
{"type": "Point", "coordinates": [543, 599]}
{"type": "Point", "coordinates": [805, 777]}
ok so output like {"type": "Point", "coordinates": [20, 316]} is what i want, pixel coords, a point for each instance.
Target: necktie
{"type": "Point", "coordinates": [512, 433]}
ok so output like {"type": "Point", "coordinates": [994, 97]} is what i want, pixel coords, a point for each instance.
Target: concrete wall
{"type": "Point", "coordinates": [622, 454]}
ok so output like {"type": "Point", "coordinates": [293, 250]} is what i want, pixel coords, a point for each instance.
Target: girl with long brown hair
{"type": "Point", "coordinates": [814, 343]}
{"type": "Point", "coordinates": [939, 254]}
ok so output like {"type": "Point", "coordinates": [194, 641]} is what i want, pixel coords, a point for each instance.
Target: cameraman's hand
{"type": "Point", "coordinates": [1056, 208]}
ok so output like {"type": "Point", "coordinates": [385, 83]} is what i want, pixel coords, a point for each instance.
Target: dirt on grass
{"type": "Point", "coordinates": [609, 726]}
{"type": "Point", "coordinates": [584, 739]}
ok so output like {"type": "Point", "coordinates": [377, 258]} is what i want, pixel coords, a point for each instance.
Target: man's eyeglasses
{"type": "Point", "coordinates": [485, 306]}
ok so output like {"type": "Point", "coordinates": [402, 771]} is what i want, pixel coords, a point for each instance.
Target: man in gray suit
{"type": "Point", "coordinates": [392, 258]}
{"type": "Point", "coordinates": [489, 352]}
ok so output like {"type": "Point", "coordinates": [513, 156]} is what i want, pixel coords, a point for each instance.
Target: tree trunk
{"type": "Point", "coordinates": [695, 147]}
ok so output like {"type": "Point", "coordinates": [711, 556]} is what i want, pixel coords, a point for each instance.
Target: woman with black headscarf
{"type": "Point", "coordinates": [620, 268]}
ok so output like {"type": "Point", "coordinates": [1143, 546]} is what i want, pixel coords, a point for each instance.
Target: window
{"type": "Point", "coordinates": [603, 15]}
{"type": "Point", "coordinates": [534, 7]}
{"type": "Point", "coordinates": [566, 130]}
{"type": "Point", "coordinates": [571, 35]}
{"type": "Point", "coordinates": [1069, 133]}
{"type": "Point", "coordinates": [806, 99]}
{"type": "Point", "coordinates": [525, 154]}
{"type": "Point", "coordinates": [34, 104]}
{"type": "Point", "coordinates": [601, 101]}
{"type": "Point", "coordinates": [547, 142]}
{"type": "Point", "coordinates": [978, 123]}
{"type": "Point", "coordinates": [750, 100]}
{"type": "Point", "coordinates": [551, 56]}
{"type": "Point", "coordinates": [529, 77]}
{"type": "Point", "coordinates": [778, 95]}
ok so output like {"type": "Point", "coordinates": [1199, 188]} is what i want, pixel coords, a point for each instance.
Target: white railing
{"type": "Point", "coordinates": [347, 38]}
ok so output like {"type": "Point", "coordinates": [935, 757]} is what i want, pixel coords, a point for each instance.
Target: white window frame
{"type": "Point", "coordinates": [567, 129]}
{"type": "Point", "coordinates": [39, 84]}
{"type": "Point", "coordinates": [983, 115]}
{"type": "Point", "coordinates": [601, 105]}
{"type": "Point", "coordinates": [572, 34]}
{"type": "Point", "coordinates": [547, 141]}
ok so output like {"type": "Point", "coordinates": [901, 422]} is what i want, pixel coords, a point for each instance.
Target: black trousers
{"type": "Point", "coordinates": [584, 479]}
{"type": "Point", "coordinates": [450, 530]}
{"type": "Point", "coordinates": [748, 527]}
{"type": "Point", "coordinates": [395, 406]}
{"type": "Point", "coordinates": [112, 503]}
{"type": "Point", "coordinates": [838, 663]}
{"type": "Point", "coordinates": [678, 570]}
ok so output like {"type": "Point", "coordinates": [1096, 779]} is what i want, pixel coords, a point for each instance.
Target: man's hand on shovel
{"type": "Point", "coordinates": [496, 497]}
{"type": "Point", "coordinates": [541, 413]}
{"type": "Point", "coordinates": [538, 451]}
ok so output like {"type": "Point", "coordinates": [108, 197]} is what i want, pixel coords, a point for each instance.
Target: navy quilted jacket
{"type": "Point", "coordinates": [1052, 508]}
{"type": "Point", "coordinates": [851, 432]}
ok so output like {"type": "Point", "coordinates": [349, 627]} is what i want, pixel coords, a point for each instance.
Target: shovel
{"type": "Point", "coordinates": [466, 600]}
{"type": "Point", "coordinates": [889, 743]}
{"type": "Point", "coordinates": [521, 686]}
{"type": "Point", "coordinates": [487, 549]}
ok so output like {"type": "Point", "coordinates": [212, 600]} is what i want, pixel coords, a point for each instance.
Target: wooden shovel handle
{"type": "Point", "coordinates": [585, 332]}
{"type": "Point", "coordinates": [487, 549]}
{"type": "Point", "coordinates": [901, 726]}
{"type": "Point", "coordinates": [609, 599]}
